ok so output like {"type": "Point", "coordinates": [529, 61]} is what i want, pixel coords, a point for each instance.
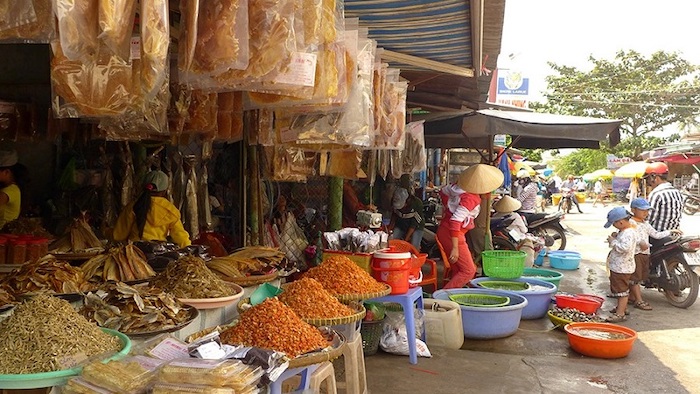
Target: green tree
{"type": "Point", "coordinates": [580, 162]}
{"type": "Point", "coordinates": [646, 93]}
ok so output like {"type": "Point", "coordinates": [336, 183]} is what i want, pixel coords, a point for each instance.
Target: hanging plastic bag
{"type": "Point", "coordinates": [413, 155]}
{"type": "Point", "coordinates": [395, 338]}
{"type": "Point", "coordinates": [27, 21]}
{"type": "Point", "coordinates": [292, 239]}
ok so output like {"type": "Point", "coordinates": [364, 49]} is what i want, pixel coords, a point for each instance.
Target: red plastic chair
{"type": "Point", "coordinates": [428, 279]}
{"type": "Point", "coordinates": [445, 261]}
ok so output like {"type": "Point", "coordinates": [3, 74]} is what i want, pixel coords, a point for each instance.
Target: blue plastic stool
{"type": "Point", "coordinates": [406, 301]}
{"type": "Point", "coordinates": [304, 372]}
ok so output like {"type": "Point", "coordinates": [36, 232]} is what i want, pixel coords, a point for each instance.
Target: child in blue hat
{"type": "Point", "coordinates": [640, 211]}
{"type": "Point", "coordinates": [621, 259]}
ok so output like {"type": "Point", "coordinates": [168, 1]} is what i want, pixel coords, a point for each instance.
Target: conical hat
{"type": "Point", "coordinates": [507, 204]}
{"type": "Point", "coordinates": [480, 179]}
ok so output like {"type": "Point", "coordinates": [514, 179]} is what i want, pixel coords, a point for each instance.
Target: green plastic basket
{"type": "Point", "coordinates": [503, 264]}
{"type": "Point", "coordinates": [480, 300]}
{"type": "Point", "coordinates": [371, 332]}
{"type": "Point", "coordinates": [504, 285]}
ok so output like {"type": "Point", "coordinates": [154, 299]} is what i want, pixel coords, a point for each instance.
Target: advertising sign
{"type": "Point", "coordinates": [615, 162]}
{"type": "Point", "coordinates": [512, 83]}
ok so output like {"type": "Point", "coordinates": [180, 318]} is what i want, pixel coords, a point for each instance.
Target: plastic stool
{"type": "Point", "coordinates": [406, 301]}
{"type": "Point", "coordinates": [324, 373]}
{"type": "Point", "coordinates": [355, 376]}
{"type": "Point", "coordinates": [304, 372]}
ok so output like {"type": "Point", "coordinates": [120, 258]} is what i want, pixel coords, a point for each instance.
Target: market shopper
{"type": "Point", "coordinates": [152, 217]}
{"type": "Point", "coordinates": [640, 211]}
{"type": "Point", "coordinates": [408, 218]}
{"type": "Point", "coordinates": [620, 260]}
{"type": "Point", "coordinates": [666, 200]}
{"type": "Point", "coordinates": [599, 190]}
{"type": "Point", "coordinates": [527, 194]}
{"type": "Point", "coordinates": [13, 178]}
{"type": "Point", "coordinates": [462, 203]}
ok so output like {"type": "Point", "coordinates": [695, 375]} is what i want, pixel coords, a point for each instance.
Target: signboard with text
{"type": "Point", "coordinates": [615, 162]}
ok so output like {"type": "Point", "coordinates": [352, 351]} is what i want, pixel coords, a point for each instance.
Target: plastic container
{"type": "Point", "coordinates": [543, 274]}
{"type": "Point", "coordinates": [480, 300]}
{"type": "Point", "coordinates": [538, 294]}
{"type": "Point", "coordinates": [3, 250]}
{"type": "Point", "coordinates": [580, 197]}
{"type": "Point", "coordinates": [35, 248]}
{"type": "Point", "coordinates": [564, 259]}
{"type": "Point", "coordinates": [503, 264]}
{"type": "Point", "coordinates": [506, 285]}
{"type": "Point", "coordinates": [586, 305]}
{"type": "Point", "coordinates": [17, 251]}
{"type": "Point", "coordinates": [443, 323]}
{"type": "Point", "coordinates": [556, 198]}
{"type": "Point", "coordinates": [415, 276]}
{"type": "Point", "coordinates": [539, 261]}
{"type": "Point", "coordinates": [600, 348]}
{"type": "Point", "coordinates": [488, 322]}
{"type": "Point", "coordinates": [371, 332]}
{"type": "Point", "coordinates": [393, 269]}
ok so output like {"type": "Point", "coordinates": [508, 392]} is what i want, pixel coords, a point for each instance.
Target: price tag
{"type": "Point", "coordinates": [169, 349]}
{"type": "Point", "coordinates": [135, 47]}
{"type": "Point", "coordinates": [301, 70]}
{"type": "Point", "coordinates": [210, 351]}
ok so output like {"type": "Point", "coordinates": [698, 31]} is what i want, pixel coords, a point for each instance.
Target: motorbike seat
{"type": "Point", "coordinates": [429, 235]}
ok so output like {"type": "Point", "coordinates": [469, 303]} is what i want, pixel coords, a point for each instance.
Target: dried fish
{"type": "Point", "coordinates": [252, 260]}
{"type": "Point", "coordinates": [78, 238]}
{"type": "Point", "coordinates": [47, 275]}
{"type": "Point", "coordinates": [189, 277]}
{"type": "Point", "coordinates": [134, 309]}
{"type": "Point", "coordinates": [46, 334]}
{"type": "Point", "coordinates": [26, 226]}
{"type": "Point", "coordinates": [125, 263]}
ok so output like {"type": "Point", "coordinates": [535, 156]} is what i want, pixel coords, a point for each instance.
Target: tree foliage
{"type": "Point", "coordinates": [646, 93]}
{"type": "Point", "coordinates": [581, 161]}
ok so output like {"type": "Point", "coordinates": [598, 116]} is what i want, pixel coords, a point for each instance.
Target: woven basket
{"type": "Point", "coordinates": [371, 332]}
{"type": "Point", "coordinates": [503, 264]}
{"type": "Point", "coordinates": [504, 285]}
{"type": "Point", "coordinates": [480, 300]}
{"type": "Point", "coordinates": [359, 314]}
{"type": "Point", "coordinates": [365, 296]}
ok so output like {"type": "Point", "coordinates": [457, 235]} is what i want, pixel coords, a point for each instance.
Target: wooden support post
{"type": "Point", "coordinates": [335, 206]}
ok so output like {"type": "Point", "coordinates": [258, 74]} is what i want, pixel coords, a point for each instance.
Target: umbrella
{"type": "Point", "coordinates": [522, 166]}
{"type": "Point", "coordinates": [634, 169]}
{"type": "Point", "coordinates": [602, 173]}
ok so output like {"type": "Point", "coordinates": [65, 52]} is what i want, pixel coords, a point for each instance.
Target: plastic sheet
{"type": "Point", "coordinates": [413, 156]}
{"type": "Point", "coordinates": [26, 21]}
{"type": "Point", "coordinates": [345, 164]}
{"type": "Point", "coordinates": [202, 113]}
{"type": "Point", "coordinates": [78, 28]}
{"type": "Point", "coordinates": [292, 164]}
{"type": "Point", "coordinates": [155, 40]}
{"type": "Point", "coordinates": [116, 19]}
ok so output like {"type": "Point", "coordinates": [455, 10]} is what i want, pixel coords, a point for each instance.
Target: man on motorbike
{"type": "Point", "coordinates": [666, 201]}
{"type": "Point", "coordinates": [567, 189]}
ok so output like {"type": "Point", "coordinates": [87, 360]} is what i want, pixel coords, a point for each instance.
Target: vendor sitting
{"type": "Point", "coordinates": [152, 217]}
{"type": "Point", "coordinates": [407, 219]}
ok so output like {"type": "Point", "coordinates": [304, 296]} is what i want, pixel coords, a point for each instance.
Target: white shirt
{"type": "Point", "coordinates": [644, 231]}
{"type": "Point", "coordinates": [518, 223]}
{"type": "Point", "coordinates": [598, 187]}
{"type": "Point", "coordinates": [621, 257]}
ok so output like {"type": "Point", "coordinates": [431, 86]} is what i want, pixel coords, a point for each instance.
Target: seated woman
{"type": "Point", "coordinates": [152, 217]}
{"type": "Point", "coordinates": [407, 219]}
{"type": "Point", "coordinates": [13, 177]}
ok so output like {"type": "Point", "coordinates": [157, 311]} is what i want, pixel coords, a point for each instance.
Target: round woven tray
{"type": "Point", "coordinates": [365, 296]}
{"type": "Point", "coordinates": [253, 280]}
{"type": "Point", "coordinates": [359, 314]}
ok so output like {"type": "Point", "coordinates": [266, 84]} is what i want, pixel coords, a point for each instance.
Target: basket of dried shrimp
{"type": "Point", "coordinates": [346, 281]}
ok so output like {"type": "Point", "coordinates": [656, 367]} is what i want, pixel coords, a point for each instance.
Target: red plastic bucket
{"type": "Point", "coordinates": [393, 269]}
{"type": "Point", "coordinates": [415, 276]}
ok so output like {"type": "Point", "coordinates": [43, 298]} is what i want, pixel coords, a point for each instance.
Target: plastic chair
{"type": "Point", "coordinates": [446, 261]}
{"type": "Point", "coordinates": [428, 279]}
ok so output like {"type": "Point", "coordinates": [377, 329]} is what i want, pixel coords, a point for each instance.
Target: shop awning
{"type": "Point", "coordinates": [528, 129]}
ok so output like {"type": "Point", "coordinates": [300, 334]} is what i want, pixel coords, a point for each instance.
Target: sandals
{"type": "Point", "coordinates": [643, 305]}
{"type": "Point", "coordinates": [615, 318]}
{"type": "Point", "coordinates": [614, 311]}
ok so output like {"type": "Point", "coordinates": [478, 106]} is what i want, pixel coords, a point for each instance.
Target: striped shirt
{"type": "Point", "coordinates": [667, 204]}
{"type": "Point", "coordinates": [528, 198]}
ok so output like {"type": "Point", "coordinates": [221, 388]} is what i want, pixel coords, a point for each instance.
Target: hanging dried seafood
{"type": "Point", "coordinates": [47, 275]}
{"type": "Point", "coordinates": [46, 334]}
{"type": "Point", "coordinates": [78, 28]}
{"type": "Point", "coordinates": [189, 277]}
{"type": "Point", "coordinates": [126, 263]}
{"type": "Point", "coordinates": [79, 238]}
{"type": "Point", "coordinates": [191, 205]}
{"type": "Point", "coordinates": [27, 21]}
{"type": "Point", "coordinates": [222, 37]}
{"type": "Point", "coordinates": [273, 325]}
{"type": "Point", "coordinates": [133, 310]}
{"type": "Point", "coordinates": [116, 18]}
{"type": "Point", "coordinates": [204, 207]}
{"type": "Point", "coordinates": [155, 39]}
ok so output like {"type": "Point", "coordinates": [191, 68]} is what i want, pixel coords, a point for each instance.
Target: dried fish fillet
{"type": "Point", "coordinates": [155, 40]}
{"type": "Point", "coordinates": [78, 28]}
{"type": "Point", "coordinates": [222, 36]}
{"type": "Point", "coordinates": [25, 20]}
{"type": "Point", "coordinates": [116, 20]}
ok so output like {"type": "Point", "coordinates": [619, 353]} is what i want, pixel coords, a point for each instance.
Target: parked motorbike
{"type": "Point", "coordinates": [431, 210]}
{"type": "Point", "coordinates": [674, 269]}
{"type": "Point", "coordinates": [501, 238]}
{"type": "Point", "coordinates": [567, 202]}
{"type": "Point", "coordinates": [548, 227]}
{"type": "Point", "coordinates": [691, 203]}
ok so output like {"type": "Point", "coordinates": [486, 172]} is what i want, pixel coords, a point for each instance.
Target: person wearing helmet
{"type": "Point", "coordinates": [527, 193]}
{"type": "Point", "coordinates": [666, 201]}
{"type": "Point", "coordinates": [569, 186]}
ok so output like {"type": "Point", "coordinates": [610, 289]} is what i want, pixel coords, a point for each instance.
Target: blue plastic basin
{"type": "Point", "coordinates": [564, 259]}
{"type": "Point", "coordinates": [538, 300]}
{"type": "Point", "coordinates": [488, 322]}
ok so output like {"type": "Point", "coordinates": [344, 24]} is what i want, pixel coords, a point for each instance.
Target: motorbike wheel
{"type": "Point", "coordinates": [501, 243]}
{"type": "Point", "coordinates": [687, 281]}
{"type": "Point", "coordinates": [554, 236]}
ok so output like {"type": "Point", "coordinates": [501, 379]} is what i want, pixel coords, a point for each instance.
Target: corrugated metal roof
{"type": "Point", "coordinates": [438, 30]}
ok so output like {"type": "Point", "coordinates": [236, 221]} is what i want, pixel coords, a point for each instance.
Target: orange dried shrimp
{"type": "Point", "coordinates": [310, 300]}
{"type": "Point", "coordinates": [273, 325]}
{"type": "Point", "coordinates": [339, 275]}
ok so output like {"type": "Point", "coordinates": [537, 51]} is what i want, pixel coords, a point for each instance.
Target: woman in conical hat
{"type": "Point", "coordinates": [462, 201]}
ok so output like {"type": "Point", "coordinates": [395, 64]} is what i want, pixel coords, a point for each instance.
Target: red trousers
{"type": "Point", "coordinates": [464, 269]}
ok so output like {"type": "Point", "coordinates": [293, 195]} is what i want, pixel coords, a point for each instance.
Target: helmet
{"type": "Point", "coordinates": [657, 168]}
{"type": "Point", "coordinates": [522, 174]}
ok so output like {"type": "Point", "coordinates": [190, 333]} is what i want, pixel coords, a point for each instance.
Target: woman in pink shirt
{"type": "Point", "coordinates": [462, 203]}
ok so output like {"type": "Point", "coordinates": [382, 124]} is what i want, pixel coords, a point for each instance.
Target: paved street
{"type": "Point", "coordinates": [665, 358]}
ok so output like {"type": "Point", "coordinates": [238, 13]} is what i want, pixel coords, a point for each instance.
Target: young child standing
{"type": "Point", "coordinates": [640, 211]}
{"type": "Point", "coordinates": [621, 259]}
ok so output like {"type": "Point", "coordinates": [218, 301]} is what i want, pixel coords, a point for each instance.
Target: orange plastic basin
{"type": "Point", "coordinates": [600, 348]}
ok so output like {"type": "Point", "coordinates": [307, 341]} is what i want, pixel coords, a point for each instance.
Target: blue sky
{"type": "Point", "coordinates": [567, 32]}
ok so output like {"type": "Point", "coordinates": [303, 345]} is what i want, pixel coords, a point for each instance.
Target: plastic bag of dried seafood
{"type": "Point", "coordinates": [213, 373]}
{"type": "Point", "coordinates": [130, 375]}
{"type": "Point", "coordinates": [164, 347]}
{"type": "Point", "coordinates": [413, 156]}
{"type": "Point", "coordinates": [27, 21]}
{"type": "Point", "coordinates": [78, 28]}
